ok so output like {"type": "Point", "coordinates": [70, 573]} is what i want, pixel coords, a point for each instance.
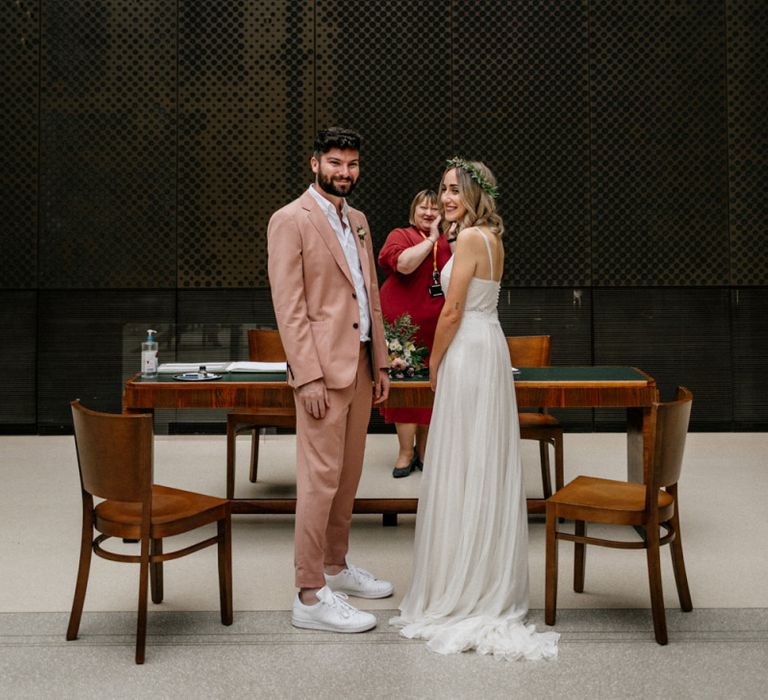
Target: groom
{"type": "Point", "coordinates": [323, 280]}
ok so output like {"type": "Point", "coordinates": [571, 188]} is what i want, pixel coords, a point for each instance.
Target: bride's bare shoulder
{"type": "Point", "coordinates": [476, 237]}
{"type": "Point", "coordinates": [471, 234]}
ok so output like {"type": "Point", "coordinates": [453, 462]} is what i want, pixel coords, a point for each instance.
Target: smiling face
{"type": "Point", "coordinates": [424, 213]}
{"type": "Point", "coordinates": [451, 200]}
{"type": "Point", "coordinates": [337, 171]}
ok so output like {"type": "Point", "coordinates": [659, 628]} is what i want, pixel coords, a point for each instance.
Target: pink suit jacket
{"type": "Point", "coordinates": [314, 296]}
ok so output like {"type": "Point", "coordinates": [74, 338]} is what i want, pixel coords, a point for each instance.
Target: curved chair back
{"type": "Point", "coordinates": [529, 350]}
{"type": "Point", "coordinates": [672, 420]}
{"type": "Point", "coordinates": [264, 345]}
{"type": "Point", "coordinates": [114, 453]}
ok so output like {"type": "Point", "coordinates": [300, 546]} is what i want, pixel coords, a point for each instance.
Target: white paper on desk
{"type": "Point", "coordinates": [181, 367]}
{"type": "Point", "coordinates": [257, 367]}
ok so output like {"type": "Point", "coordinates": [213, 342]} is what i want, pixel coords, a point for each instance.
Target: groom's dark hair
{"type": "Point", "coordinates": [336, 137]}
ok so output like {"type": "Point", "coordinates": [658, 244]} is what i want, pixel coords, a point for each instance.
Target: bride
{"type": "Point", "coordinates": [470, 571]}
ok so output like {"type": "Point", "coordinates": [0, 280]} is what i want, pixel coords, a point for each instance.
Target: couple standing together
{"type": "Point", "coordinates": [470, 572]}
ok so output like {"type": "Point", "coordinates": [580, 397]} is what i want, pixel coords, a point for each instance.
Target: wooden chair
{"type": "Point", "coordinates": [264, 345]}
{"type": "Point", "coordinates": [646, 507]}
{"type": "Point", "coordinates": [115, 459]}
{"type": "Point", "coordinates": [535, 351]}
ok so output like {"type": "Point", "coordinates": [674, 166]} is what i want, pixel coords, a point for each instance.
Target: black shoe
{"type": "Point", "coordinates": [400, 472]}
{"type": "Point", "coordinates": [416, 463]}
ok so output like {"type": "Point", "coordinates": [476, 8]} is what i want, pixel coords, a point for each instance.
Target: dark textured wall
{"type": "Point", "coordinates": [146, 145]}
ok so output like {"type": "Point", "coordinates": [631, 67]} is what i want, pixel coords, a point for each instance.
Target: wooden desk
{"type": "Point", "coordinates": [548, 387]}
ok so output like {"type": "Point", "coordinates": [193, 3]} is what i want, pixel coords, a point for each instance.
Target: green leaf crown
{"type": "Point", "coordinates": [490, 189]}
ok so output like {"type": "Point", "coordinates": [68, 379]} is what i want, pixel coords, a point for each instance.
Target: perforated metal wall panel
{"type": "Point", "coordinates": [748, 139]}
{"type": "Point", "coordinates": [382, 69]}
{"type": "Point", "coordinates": [678, 336]}
{"type": "Point", "coordinates": [520, 103]}
{"type": "Point", "coordinates": [659, 143]}
{"type": "Point", "coordinates": [245, 129]}
{"type": "Point", "coordinates": [147, 144]}
{"type": "Point", "coordinates": [108, 92]}
{"type": "Point", "coordinates": [19, 92]}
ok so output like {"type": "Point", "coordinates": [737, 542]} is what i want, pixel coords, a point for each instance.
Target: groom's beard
{"type": "Point", "coordinates": [338, 187]}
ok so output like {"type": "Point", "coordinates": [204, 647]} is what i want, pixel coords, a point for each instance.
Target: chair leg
{"type": "Point", "coordinates": [141, 625]}
{"type": "Point", "coordinates": [224, 527]}
{"type": "Point", "coordinates": [579, 558]}
{"type": "Point", "coordinates": [678, 562]}
{"type": "Point", "coordinates": [550, 578]}
{"type": "Point", "coordinates": [654, 580]}
{"type": "Point", "coordinates": [156, 572]}
{"type": "Point", "coordinates": [546, 482]}
{"type": "Point", "coordinates": [83, 569]}
{"type": "Point", "coordinates": [254, 473]}
{"type": "Point", "coordinates": [231, 445]}
{"type": "Point", "coordinates": [559, 462]}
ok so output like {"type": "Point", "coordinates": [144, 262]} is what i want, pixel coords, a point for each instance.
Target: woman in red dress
{"type": "Point", "coordinates": [412, 258]}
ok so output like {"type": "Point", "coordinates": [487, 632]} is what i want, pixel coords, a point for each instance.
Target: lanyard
{"type": "Point", "coordinates": [434, 252]}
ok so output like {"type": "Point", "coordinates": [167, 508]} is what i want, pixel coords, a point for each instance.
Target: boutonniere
{"type": "Point", "coordinates": [361, 233]}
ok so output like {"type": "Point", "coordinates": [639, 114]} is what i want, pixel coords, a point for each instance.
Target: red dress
{"type": "Point", "coordinates": [409, 294]}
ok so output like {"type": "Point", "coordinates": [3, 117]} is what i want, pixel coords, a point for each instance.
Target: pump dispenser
{"type": "Point", "coordinates": [149, 355]}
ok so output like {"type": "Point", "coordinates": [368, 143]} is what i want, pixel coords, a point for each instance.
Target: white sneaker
{"type": "Point", "coordinates": [358, 582]}
{"type": "Point", "coordinates": [332, 614]}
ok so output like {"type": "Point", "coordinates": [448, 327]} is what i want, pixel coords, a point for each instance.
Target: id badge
{"type": "Point", "coordinates": [435, 290]}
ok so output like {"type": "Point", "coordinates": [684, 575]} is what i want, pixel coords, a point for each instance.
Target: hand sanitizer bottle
{"type": "Point", "coordinates": [149, 355]}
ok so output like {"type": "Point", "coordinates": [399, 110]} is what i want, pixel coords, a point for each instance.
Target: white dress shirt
{"type": "Point", "coordinates": [343, 230]}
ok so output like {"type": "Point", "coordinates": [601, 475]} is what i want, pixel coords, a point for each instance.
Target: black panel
{"type": "Point", "coordinates": [19, 85]}
{"type": "Point", "coordinates": [383, 69]}
{"type": "Point", "coordinates": [88, 346]}
{"type": "Point", "coordinates": [564, 314]}
{"type": "Point", "coordinates": [212, 326]}
{"type": "Point", "coordinates": [677, 336]}
{"type": "Point", "coordinates": [748, 139]}
{"type": "Point", "coordinates": [245, 98]}
{"type": "Point", "coordinates": [659, 143]}
{"type": "Point", "coordinates": [18, 319]}
{"type": "Point", "coordinates": [750, 357]}
{"type": "Point", "coordinates": [520, 103]}
{"type": "Point", "coordinates": [108, 145]}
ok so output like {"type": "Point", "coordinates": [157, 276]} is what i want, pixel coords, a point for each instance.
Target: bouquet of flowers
{"type": "Point", "coordinates": [405, 357]}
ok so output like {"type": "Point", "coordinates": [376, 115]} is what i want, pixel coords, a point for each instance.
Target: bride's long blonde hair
{"type": "Point", "coordinates": [480, 205]}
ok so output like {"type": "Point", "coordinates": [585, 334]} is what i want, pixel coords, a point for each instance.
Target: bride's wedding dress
{"type": "Point", "coordinates": [470, 572]}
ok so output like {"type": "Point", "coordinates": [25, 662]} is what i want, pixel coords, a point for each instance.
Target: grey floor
{"type": "Point", "coordinates": [720, 650]}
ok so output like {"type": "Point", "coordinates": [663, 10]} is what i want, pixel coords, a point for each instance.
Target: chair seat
{"type": "Point", "coordinates": [538, 420]}
{"type": "Point", "coordinates": [607, 501]}
{"type": "Point", "coordinates": [173, 511]}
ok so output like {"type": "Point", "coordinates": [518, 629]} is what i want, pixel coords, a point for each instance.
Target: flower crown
{"type": "Point", "coordinates": [490, 189]}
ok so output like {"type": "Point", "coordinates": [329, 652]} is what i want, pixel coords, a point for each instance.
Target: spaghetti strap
{"type": "Point", "coordinates": [490, 255]}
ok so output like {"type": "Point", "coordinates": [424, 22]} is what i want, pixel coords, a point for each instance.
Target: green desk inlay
{"type": "Point", "coordinates": [580, 374]}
